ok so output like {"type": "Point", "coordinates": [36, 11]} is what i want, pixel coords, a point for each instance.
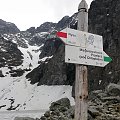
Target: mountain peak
{"type": "Point", "coordinates": [8, 27]}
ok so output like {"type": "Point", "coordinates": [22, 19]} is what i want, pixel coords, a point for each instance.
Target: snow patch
{"type": "Point", "coordinates": [43, 59]}
{"type": "Point", "coordinates": [41, 34]}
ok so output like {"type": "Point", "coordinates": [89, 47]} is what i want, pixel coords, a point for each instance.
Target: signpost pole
{"type": "Point", "coordinates": [83, 48]}
{"type": "Point", "coordinates": [81, 83]}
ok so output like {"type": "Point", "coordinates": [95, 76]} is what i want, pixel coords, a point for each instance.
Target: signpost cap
{"type": "Point", "coordinates": [83, 5]}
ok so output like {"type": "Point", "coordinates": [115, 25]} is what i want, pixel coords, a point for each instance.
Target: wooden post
{"type": "Point", "coordinates": [81, 83]}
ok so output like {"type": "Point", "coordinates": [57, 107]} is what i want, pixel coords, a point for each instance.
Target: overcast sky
{"type": "Point", "coordinates": [32, 13]}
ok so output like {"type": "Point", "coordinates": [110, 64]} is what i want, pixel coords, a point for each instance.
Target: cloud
{"type": "Point", "coordinates": [27, 13]}
{"type": "Point", "coordinates": [63, 7]}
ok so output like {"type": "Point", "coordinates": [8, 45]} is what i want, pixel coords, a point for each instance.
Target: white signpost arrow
{"type": "Point", "coordinates": [81, 38]}
{"type": "Point", "coordinates": [83, 48]}
{"type": "Point", "coordinates": [79, 55]}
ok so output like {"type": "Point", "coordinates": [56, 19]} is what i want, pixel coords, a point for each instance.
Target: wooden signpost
{"type": "Point", "coordinates": [82, 48]}
{"type": "Point", "coordinates": [81, 82]}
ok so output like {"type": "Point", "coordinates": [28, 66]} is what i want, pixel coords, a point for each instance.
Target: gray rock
{"type": "Point", "coordinates": [47, 114]}
{"type": "Point", "coordinates": [94, 112]}
{"type": "Point", "coordinates": [23, 118]}
{"type": "Point", "coordinates": [54, 72]}
{"type": "Point", "coordinates": [10, 55]}
{"type": "Point", "coordinates": [113, 89]}
{"type": "Point", "coordinates": [43, 118]}
{"type": "Point", "coordinates": [111, 99]}
{"type": "Point", "coordinates": [61, 104]}
{"type": "Point", "coordinates": [104, 20]}
{"type": "Point", "coordinates": [104, 106]}
{"type": "Point", "coordinates": [70, 112]}
{"type": "Point", "coordinates": [59, 110]}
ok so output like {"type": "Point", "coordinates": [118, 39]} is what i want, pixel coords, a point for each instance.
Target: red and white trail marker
{"type": "Point", "coordinates": [83, 48]}
{"type": "Point", "coordinates": [81, 39]}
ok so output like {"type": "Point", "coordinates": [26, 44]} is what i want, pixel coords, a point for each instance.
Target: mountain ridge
{"type": "Point", "coordinates": [8, 27]}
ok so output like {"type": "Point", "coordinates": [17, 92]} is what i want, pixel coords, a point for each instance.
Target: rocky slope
{"type": "Point", "coordinates": [104, 20]}
{"type": "Point", "coordinates": [7, 53]}
{"type": "Point", "coordinates": [103, 104]}
{"type": "Point", "coordinates": [54, 71]}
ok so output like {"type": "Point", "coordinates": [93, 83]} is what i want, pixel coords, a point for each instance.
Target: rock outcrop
{"type": "Point", "coordinates": [55, 71]}
{"type": "Point", "coordinates": [59, 110]}
{"type": "Point", "coordinates": [105, 104]}
{"type": "Point", "coordinates": [104, 19]}
{"type": "Point", "coordinates": [46, 27]}
{"type": "Point", "coordinates": [10, 55]}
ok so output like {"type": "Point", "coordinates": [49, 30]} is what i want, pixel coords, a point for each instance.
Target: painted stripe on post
{"type": "Point", "coordinates": [107, 59]}
{"type": "Point", "coordinates": [62, 34]}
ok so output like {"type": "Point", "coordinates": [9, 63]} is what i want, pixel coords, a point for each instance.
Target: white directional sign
{"type": "Point", "coordinates": [81, 39]}
{"type": "Point", "coordinates": [83, 48]}
{"type": "Point", "coordinates": [85, 56]}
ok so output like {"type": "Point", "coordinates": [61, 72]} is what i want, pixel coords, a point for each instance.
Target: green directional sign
{"type": "Point", "coordinates": [107, 59]}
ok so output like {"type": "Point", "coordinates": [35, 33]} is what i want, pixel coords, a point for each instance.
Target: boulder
{"type": "Point", "coordinates": [63, 103]}
{"type": "Point", "coordinates": [59, 110]}
{"type": "Point", "coordinates": [113, 89]}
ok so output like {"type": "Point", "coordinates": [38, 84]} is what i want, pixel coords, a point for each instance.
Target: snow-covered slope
{"type": "Point", "coordinates": [16, 92]}
{"type": "Point", "coordinates": [19, 94]}
{"type": "Point", "coordinates": [11, 86]}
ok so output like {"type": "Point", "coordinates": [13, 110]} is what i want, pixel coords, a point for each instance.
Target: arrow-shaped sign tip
{"type": "Point", "coordinates": [107, 59]}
